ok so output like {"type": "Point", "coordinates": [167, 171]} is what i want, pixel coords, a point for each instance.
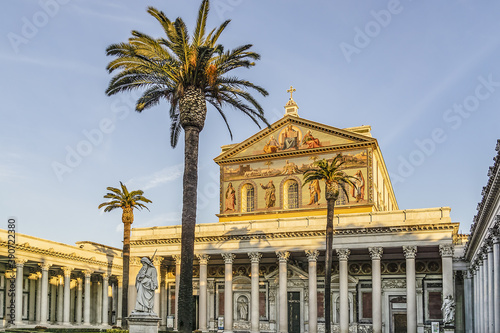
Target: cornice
{"type": "Point", "coordinates": [490, 193]}
{"type": "Point", "coordinates": [60, 255]}
{"type": "Point", "coordinates": [304, 234]}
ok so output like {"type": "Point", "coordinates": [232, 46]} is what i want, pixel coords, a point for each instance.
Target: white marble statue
{"type": "Point", "coordinates": [146, 283]}
{"type": "Point", "coordinates": [448, 309]}
{"type": "Point", "coordinates": [243, 308]}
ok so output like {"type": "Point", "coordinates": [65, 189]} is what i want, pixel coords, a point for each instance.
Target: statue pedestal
{"type": "Point", "coordinates": [449, 329]}
{"type": "Point", "coordinates": [143, 322]}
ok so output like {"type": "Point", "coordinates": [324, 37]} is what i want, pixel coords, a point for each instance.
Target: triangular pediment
{"type": "Point", "coordinates": [290, 136]}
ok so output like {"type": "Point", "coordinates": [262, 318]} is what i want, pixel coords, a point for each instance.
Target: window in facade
{"type": "Point", "coordinates": [247, 198]}
{"type": "Point", "coordinates": [293, 194]}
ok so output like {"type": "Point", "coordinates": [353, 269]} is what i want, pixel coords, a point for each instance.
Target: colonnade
{"type": "Point", "coordinates": [376, 253]}
{"type": "Point", "coordinates": [483, 286]}
{"type": "Point", "coordinates": [70, 299]}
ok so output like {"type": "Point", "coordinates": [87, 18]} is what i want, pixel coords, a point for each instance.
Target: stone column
{"type": "Point", "coordinates": [157, 299]}
{"type": "Point", "coordinates": [476, 296]}
{"type": "Point", "coordinates": [312, 258]}
{"type": "Point", "coordinates": [496, 277]}
{"type": "Point", "coordinates": [177, 258]}
{"type": "Point", "coordinates": [119, 281]}
{"type": "Point", "coordinates": [66, 295]}
{"type": "Point", "coordinates": [79, 300]}
{"type": "Point", "coordinates": [376, 255]}
{"type": "Point", "coordinates": [491, 288]}
{"type": "Point", "coordinates": [485, 311]}
{"type": "Point", "coordinates": [86, 300]}
{"type": "Point", "coordinates": [60, 298]}
{"type": "Point", "coordinates": [228, 292]}
{"type": "Point", "coordinates": [105, 299]}
{"type": "Point", "coordinates": [44, 299]}
{"type": "Point", "coordinates": [18, 320]}
{"type": "Point", "coordinates": [203, 259]}
{"type": "Point", "coordinates": [32, 296]}
{"type": "Point", "coordinates": [411, 300]}
{"type": "Point", "coordinates": [283, 280]}
{"type": "Point", "coordinates": [343, 290]}
{"type": "Point", "coordinates": [446, 252]}
{"type": "Point", "coordinates": [468, 300]}
{"type": "Point", "coordinates": [480, 295]}
{"type": "Point", "coordinates": [254, 312]}
{"type": "Point", "coordinates": [38, 297]}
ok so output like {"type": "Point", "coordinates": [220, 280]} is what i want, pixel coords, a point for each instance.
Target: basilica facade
{"type": "Point", "coordinates": [260, 267]}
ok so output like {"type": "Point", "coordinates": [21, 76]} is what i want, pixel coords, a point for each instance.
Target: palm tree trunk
{"type": "Point", "coordinates": [328, 262]}
{"type": "Point", "coordinates": [126, 263]}
{"type": "Point", "coordinates": [190, 183]}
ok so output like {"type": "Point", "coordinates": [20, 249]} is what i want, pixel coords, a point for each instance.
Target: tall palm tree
{"type": "Point", "coordinates": [127, 201]}
{"type": "Point", "coordinates": [187, 71]}
{"type": "Point", "coordinates": [335, 179]}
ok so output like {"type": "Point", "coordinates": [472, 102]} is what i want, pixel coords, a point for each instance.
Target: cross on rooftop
{"type": "Point", "coordinates": [291, 90]}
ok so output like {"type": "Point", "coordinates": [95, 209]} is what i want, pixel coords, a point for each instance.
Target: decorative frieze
{"type": "Point", "coordinates": [394, 284]}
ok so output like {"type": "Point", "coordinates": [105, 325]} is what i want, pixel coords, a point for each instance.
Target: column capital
{"type": "Point", "coordinates": [119, 279]}
{"type": "Point", "coordinates": [343, 254]}
{"type": "Point", "coordinates": [45, 266]}
{"type": "Point", "coordinates": [157, 261]}
{"type": "Point", "coordinates": [67, 271]}
{"type": "Point", "coordinates": [376, 252]}
{"type": "Point", "coordinates": [495, 235]}
{"type": "Point", "coordinates": [203, 258]}
{"type": "Point", "coordinates": [228, 257]}
{"type": "Point", "coordinates": [488, 245]}
{"type": "Point", "coordinates": [410, 251]}
{"type": "Point", "coordinates": [254, 257]}
{"type": "Point", "coordinates": [20, 262]}
{"type": "Point", "coordinates": [283, 255]}
{"type": "Point", "coordinates": [312, 255]}
{"type": "Point", "coordinates": [87, 273]}
{"type": "Point", "coordinates": [446, 250]}
{"type": "Point", "coordinates": [135, 261]}
{"type": "Point", "coordinates": [177, 258]}
{"type": "Point", "coordinates": [105, 276]}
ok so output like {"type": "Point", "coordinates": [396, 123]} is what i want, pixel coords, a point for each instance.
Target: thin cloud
{"type": "Point", "coordinates": [158, 178]}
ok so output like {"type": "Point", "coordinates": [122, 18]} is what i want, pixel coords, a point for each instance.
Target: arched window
{"type": "Point", "coordinates": [293, 194]}
{"type": "Point", "coordinates": [247, 198]}
{"type": "Point", "coordinates": [290, 194]}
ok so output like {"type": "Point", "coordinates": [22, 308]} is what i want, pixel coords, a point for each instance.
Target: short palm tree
{"type": "Point", "coordinates": [187, 71]}
{"type": "Point", "coordinates": [335, 179]}
{"type": "Point", "coordinates": [127, 201]}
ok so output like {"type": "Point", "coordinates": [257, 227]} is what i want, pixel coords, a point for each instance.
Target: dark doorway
{"type": "Point", "coordinates": [294, 312]}
{"type": "Point", "coordinates": [196, 301]}
{"type": "Point", "coordinates": [399, 322]}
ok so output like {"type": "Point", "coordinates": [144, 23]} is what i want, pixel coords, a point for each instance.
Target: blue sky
{"type": "Point", "coordinates": [424, 74]}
